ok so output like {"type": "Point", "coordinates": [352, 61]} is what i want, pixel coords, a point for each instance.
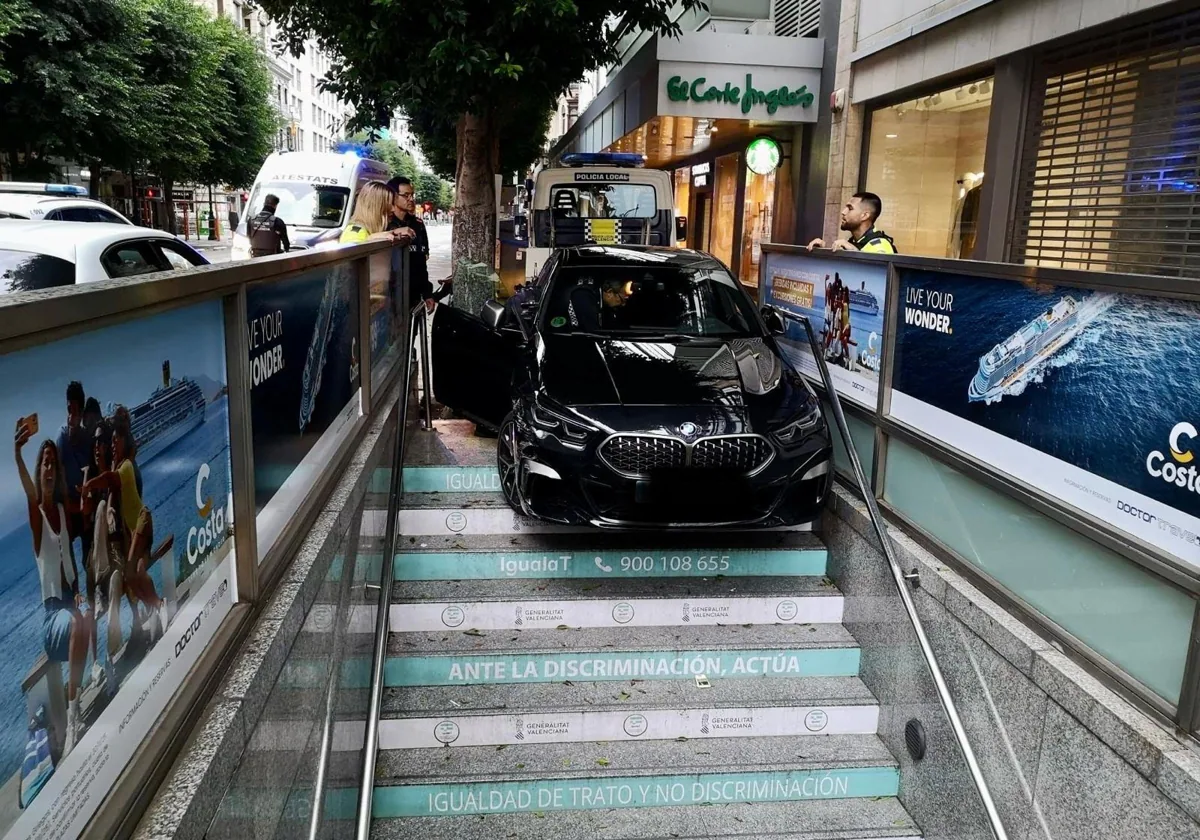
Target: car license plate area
{"type": "Point", "coordinates": [692, 488]}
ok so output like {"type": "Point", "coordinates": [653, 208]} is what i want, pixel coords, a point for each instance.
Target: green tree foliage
{"type": "Point", "coordinates": [140, 85]}
{"type": "Point", "coordinates": [245, 123]}
{"type": "Point", "coordinates": [388, 152]}
{"type": "Point", "coordinates": [68, 71]}
{"type": "Point", "coordinates": [522, 133]}
{"type": "Point", "coordinates": [428, 188]}
{"type": "Point", "coordinates": [466, 63]}
{"type": "Point", "coordinates": [445, 196]}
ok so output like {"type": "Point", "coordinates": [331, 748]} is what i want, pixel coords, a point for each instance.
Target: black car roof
{"type": "Point", "coordinates": [605, 255]}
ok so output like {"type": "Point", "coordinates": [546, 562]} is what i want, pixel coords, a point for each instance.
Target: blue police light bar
{"type": "Point", "coordinates": [44, 189]}
{"type": "Point", "coordinates": [604, 159]}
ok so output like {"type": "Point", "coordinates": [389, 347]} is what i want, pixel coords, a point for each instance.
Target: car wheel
{"type": "Point", "coordinates": [508, 462]}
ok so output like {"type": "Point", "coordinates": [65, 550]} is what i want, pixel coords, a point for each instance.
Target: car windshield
{"type": "Point", "coordinates": [648, 301]}
{"type": "Point", "coordinates": [603, 201]}
{"type": "Point", "coordinates": [302, 204]}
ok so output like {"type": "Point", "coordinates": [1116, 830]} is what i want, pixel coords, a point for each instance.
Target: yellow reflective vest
{"type": "Point", "coordinates": [355, 233]}
{"type": "Point", "coordinates": [875, 242]}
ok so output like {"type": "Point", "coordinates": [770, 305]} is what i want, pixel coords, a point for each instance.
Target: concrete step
{"type": "Point", "coordinates": [493, 516]}
{"type": "Point", "coordinates": [605, 654]}
{"type": "Point", "coordinates": [582, 776]}
{"type": "Point", "coordinates": [663, 602]}
{"type": "Point", "coordinates": [829, 819]}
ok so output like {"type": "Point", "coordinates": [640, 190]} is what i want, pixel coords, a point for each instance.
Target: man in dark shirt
{"type": "Point", "coordinates": [267, 232]}
{"type": "Point", "coordinates": [404, 216]}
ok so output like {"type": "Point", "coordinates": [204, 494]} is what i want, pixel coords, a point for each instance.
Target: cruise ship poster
{"type": "Point", "coordinates": [1087, 395]}
{"type": "Point", "coordinates": [305, 365]}
{"type": "Point", "coordinates": [844, 300]}
{"type": "Point", "coordinates": [168, 374]}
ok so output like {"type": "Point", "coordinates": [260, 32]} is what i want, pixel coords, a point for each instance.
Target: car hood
{"type": "Point", "coordinates": [742, 379]}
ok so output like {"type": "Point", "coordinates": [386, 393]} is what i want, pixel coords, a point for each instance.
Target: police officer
{"type": "Point", "coordinates": [267, 232]}
{"type": "Point", "coordinates": [858, 218]}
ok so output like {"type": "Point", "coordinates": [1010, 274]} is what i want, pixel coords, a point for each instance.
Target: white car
{"type": "Point", "coordinates": [42, 255]}
{"type": "Point", "coordinates": [56, 207]}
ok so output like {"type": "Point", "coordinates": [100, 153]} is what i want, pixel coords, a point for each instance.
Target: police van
{"type": "Point", "coordinates": [316, 193]}
{"type": "Point", "coordinates": [601, 199]}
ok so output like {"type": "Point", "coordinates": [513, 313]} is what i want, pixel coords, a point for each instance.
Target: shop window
{"type": "Point", "coordinates": [725, 210]}
{"type": "Point", "coordinates": [1110, 177]}
{"type": "Point", "coordinates": [683, 197]}
{"type": "Point", "coordinates": [756, 222]}
{"type": "Point", "coordinates": [926, 161]}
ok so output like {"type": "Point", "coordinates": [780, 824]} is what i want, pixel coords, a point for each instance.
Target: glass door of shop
{"type": "Point", "coordinates": [700, 229]}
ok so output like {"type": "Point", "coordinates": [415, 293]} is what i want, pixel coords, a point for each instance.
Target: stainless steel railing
{"type": "Point", "coordinates": [902, 582]}
{"type": "Point", "coordinates": [416, 325]}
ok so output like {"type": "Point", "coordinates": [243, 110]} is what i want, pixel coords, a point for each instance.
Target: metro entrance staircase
{"type": "Point", "coordinates": [544, 682]}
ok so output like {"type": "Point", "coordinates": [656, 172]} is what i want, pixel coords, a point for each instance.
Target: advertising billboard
{"type": "Point", "coordinates": [1085, 395]}
{"type": "Point", "coordinates": [305, 364]}
{"type": "Point", "coordinates": [115, 522]}
{"type": "Point", "coordinates": [844, 300]}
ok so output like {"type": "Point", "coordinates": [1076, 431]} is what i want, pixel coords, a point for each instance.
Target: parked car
{"type": "Point", "coordinates": [42, 255]}
{"type": "Point", "coordinates": [54, 202]}
{"type": "Point", "coordinates": [638, 387]}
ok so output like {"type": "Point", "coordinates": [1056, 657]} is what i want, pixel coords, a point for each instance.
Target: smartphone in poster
{"type": "Point", "coordinates": [115, 508]}
{"type": "Point", "coordinates": [1086, 395]}
{"type": "Point", "coordinates": [844, 300]}
{"type": "Point", "coordinates": [304, 369]}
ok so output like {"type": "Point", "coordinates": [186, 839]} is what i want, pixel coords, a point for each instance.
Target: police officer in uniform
{"type": "Point", "coordinates": [267, 232]}
{"type": "Point", "coordinates": [858, 219]}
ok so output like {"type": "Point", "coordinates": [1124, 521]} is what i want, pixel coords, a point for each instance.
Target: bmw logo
{"type": "Point", "coordinates": [688, 429]}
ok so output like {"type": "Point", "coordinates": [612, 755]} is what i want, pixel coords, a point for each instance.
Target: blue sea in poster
{"type": "Point", "coordinates": [121, 364]}
{"type": "Point", "coordinates": [1102, 401]}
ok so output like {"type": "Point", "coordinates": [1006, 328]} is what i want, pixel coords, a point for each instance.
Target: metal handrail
{"type": "Point", "coordinates": [379, 655]}
{"type": "Point", "coordinates": [901, 580]}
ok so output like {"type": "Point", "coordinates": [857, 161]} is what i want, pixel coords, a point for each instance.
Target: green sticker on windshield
{"type": "Point", "coordinates": [560, 321]}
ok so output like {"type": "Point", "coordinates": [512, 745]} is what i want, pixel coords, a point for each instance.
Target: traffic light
{"type": "Point", "coordinates": [152, 192]}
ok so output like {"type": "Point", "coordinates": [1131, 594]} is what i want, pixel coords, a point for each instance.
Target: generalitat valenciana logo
{"type": "Point", "coordinates": [1180, 470]}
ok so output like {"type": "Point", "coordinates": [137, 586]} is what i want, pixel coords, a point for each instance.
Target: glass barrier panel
{"type": "Point", "coordinates": [305, 367]}
{"type": "Point", "coordinates": [116, 525]}
{"type": "Point", "coordinates": [1134, 619]}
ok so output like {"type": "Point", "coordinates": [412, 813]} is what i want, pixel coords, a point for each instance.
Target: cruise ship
{"type": "Point", "coordinates": [864, 301]}
{"type": "Point", "coordinates": [1014, 358]}
{"type": "Point", "coordinates": [172, 411]}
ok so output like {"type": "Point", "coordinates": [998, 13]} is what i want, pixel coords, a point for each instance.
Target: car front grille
{"type": "Point", "coordinates": [636, 456]}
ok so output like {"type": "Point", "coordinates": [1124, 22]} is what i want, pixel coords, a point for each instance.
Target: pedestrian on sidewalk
{"type": "Point", "coordinates": [267, 232]}
{"type": "Point", "coordinates": [858, 219]}
{"type": "Point", "coordinates": [404, 216]}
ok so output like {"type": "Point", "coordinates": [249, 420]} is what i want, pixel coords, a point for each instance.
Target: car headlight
{"type": "Point", "coordinates": [555, 420]}
{"type": "Point", "coordinates": [809, 420]}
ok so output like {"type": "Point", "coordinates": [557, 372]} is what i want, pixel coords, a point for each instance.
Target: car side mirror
{"type": "Point", "coordinates": [773, 320]}
{"type": "Point", "coordinates": [494, 314]}
{"type": "Point", "coordinates": [681, 228]}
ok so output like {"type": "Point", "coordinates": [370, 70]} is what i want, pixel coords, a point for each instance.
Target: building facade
{"type": "Point", "coordinates": [1047, 132]}
{"type": "Point", "coordinates": [311, 120]}
{"type": "Point", "coordinates": [694, 105]}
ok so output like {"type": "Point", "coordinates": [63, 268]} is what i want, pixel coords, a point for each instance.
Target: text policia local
{"type": "Point", "coordinates": [928, 309]}
{"type": "Point", "coordinates": [261, 331]}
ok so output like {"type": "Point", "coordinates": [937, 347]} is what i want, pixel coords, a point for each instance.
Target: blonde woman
{"type": "Point", "coordinates": [372, 212]}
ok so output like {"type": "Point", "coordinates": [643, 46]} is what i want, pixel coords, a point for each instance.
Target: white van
{"type": "Point", "coordinates": [602, 199]}
{"type": "Point", "coordinates": [316, 195]}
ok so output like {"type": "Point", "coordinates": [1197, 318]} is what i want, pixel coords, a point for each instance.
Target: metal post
{"type": "Point", "coordinates": [426, 369]}
{"type": "Point", "coordinates": [241, 445]}
{"type": "Point", "coordinates": [364, 336]}
{"type": "Point", "coordinates": [901, 581]}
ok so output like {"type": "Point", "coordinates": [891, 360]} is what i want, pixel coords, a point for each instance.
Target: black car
{"type": "Point", "coordinates": [636, 388]}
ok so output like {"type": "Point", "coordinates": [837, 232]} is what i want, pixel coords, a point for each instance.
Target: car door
{"type": "Point", "coordinates": [473, 365]}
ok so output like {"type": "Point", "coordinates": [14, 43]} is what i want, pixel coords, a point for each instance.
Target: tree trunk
{"type": "Point", "coordinates": [474, 235]}
{"type": "Point", "coordinates": [212, 215]}
{"type": "Point", "coordinates": [168, 205]}
{"type": "Point", "coordinates": [94, 181]}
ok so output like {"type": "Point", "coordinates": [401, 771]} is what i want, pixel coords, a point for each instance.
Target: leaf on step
{"type": "Point", "coordinates": [681, 738]}
{"type": "Point", "coordinates": [568, 682]}
{"type": "Point", "coordinates": [520, 766]}
{"type": "Point", "coordinates": [590, 587]}
{"type": "Point", "coordinates": [540, 815]}
{"type": "Point", "coordinates": [502, 748]}
{"type": "Point", "coordinates": [603, 762]}
{"type": "Point", "coordinates": [747, 625]}
{"type": "Point", "coordinates": [624, 695]}
{"type": "Point", "coordinates": [473, 632]}
{"type": "Point", "coordinates": [563, 627]}
{"type": "Point", "coordinates": [739, 819]}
